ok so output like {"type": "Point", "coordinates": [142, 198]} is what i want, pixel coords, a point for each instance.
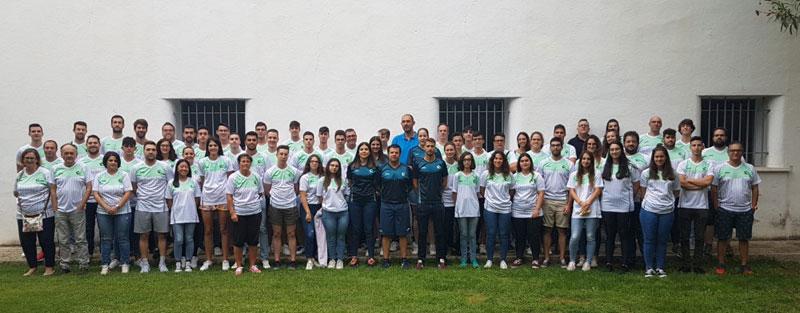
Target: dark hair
{"type": "Point", "coordinates": [669, 132]}
{"type": "Point", "coordinates": [168, 124]}
{"type": "Point", "coordinates": [606, 144]}
{"type": "Point", "coordinates": [504, 169]}
{"type": "Point", "coordinates": [117, 116]}
{"type": "Point", "coordinates": [425, 129]}
{"type": "Point", "coordinates": [380, 157]}
{"type": "Point", "coordinates": [527, 146]}
{"type": "Point", "coordinates": [176, 180]}
{"type": "Point", "coordinates": [457, 134]}
{"type": "Point", "coordinates": [320, 169]}
{"type": "Point", "coordinates": [598, 152]}
{"type": "Point", "coordinates": [736, 142]}
{"type": "Point", "coordinates": [49, 141]}
{"type": "Point", "coordinates": [329, 175]}
{"type": "Point", "coordinates": [559, 126]}
{"type": "Point", "coordinates": [324, 130]}
{"type": "Point", "coordinates": [36, 153]}
{"type": "Point", "coordinates": [622, 170]}
{"type": "Point", "coordinates": [630, 133]}
{"type": "Point", "coordinates": [251, 133]}
{"type": "Point", "coordinates": [149, 142]}
{"type": "Point", "coordinates": [687, 122]}
{"type": "Point", "coordinates": [223, 125]}
{"type": "Point", "coordinates": [128, 142]}
{"type": "Point", "coordinates": [140, 121]}
{"type": "Point", "coordinates": [160, 156]}
{"type": "Point", "coordinates": [93, 136]}
{"type": "Point", "coordinates": [338, 133]}
{"type": "Point", "coordinates": [188, 126]}
{"type": "Point", "coordinates": [219, 147]}
{"type": "Point", "coordinates": [81, 123]}
{"type": "Point", "coordinates": [282, 147]}
{"type": "Point", "coordinates": [356, 164]}
{"type": "Point", "coordinates": [294, 124]}
{"type": "Point", "coordinates": [613, 120]}
{"type": "Point", "coordinates": [720, 128]}
{"type": "Point", "coordinates": [461, 161]}
{"type": "Point", "coordinates": [34, 125]}
{"type": "Point", "coordinates": [108, 155]}
{"type": "Point", "coordinates": [273, 130]}
{"type": "Point", "coordinates": [519, 160]}
{"type": "Point", "coordinates": [243, 156]}
{"type": "Point", "coordinates": [582, 120]}
{"type": "Point", "coordinates": [308, 133]}
{"type": "Point", "coordinates": [349, 130]}
{"type": "Point", "coordinates": [556, 139]}
{"type": "Point", "coordinates": [450, 143]}
{"type": "Point", "coordinates": [468, 129]}
{"type": "Point", "coordinates": [394, 146]}
{"type": "Point", "coordinates": [583, 171]}
{"type": "Point", "coordinates": [202, 127]}
{"type": "Point", "coordinates": [696, 138]}
{"type": "Point", "coordinates": [667, 172]}
{"type": "Point", "coordinates": [384, 131]}
{"type": "Point", "coordinates": [409, 115]}
{"type": "Point", "coordinates": [260, 124]}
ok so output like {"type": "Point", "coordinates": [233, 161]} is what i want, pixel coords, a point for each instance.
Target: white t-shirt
{"type": "Point", "coordinates": [659, 197]}
{"type": "Point", "coordinates": [111, 188]}
{"type": "Point", "coordinates": [308, 183]}
{"type": "Point", "coordinates": [215, 176]}
{"type": "Point", "coordinates": [447, 193]}
{"type": "Point", "coordinates": [333, 197]}
{"type": "Point", "coordinates": [498, 199]}
{"type": "Point", "coordinates": [151, 184]}
{"type": "Point", "coordinates": [299, 159]}
{"type": "Point", "coordinates": [108, 144]}
{"type": "Point", "coordinates": [39, 149]}
{"type": "Point", "coordinates": [70, 185]}
{"type": "Point", "coordinates": [584, 192]}
{"type": "Point", "coordinates": [694, 199]}
{"type": "Point", "coordinates": [184, 205]}
{"type": "Point", "coordinates": [282, 194]}
{"type": "Point", "coordinates": [344, 159]}
{"type": "Point", "coordinates": [568, 151]}
{"type": "Point", "coordinates": [481, 162]}
{"type": "Point", "coordinates": [94, 166]}
{"type": "Point", "coordinates": [526, 194]}
{"type": "Point", "coordinates": [735, 186]}
{"type": "Point", "coordinates": [647, 143]}
{"type": "Point", "coordinates": [34, 192]}
{"type": "Point", "coordinates": [466, 188]}
{"type": "Point", "coordinates": [618, 193]}
{"type": "Point", "coordinates": [246, 192]}
{"type": "Point", "coordinates": [556, 175]}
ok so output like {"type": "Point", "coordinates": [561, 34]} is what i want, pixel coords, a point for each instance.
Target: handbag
{"type": "Point", "coordinates": [35, 223]}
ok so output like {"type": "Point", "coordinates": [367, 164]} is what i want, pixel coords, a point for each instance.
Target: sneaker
{"type": "Point", "coordinates": [571, 266]}
{"type": "Point", "coordinates": [125, 268]}
{"type": "Point", "coordinates": [661, 273]}
{"type": "Point", "coordinates": [684, 269]}
{"type": "Point", "coordinates": [145, 267]}
{"type": "Point", "coordinates": [292, 265]}
{"type": "Point", "coordinates": [649, 273]}
{"type": "Point", "coordinates": [226, 265]}
{"type": "Point", "coordinates": [419, 265]}
{"type": "Point", "coordinates": [386, 264]}
{"type": "Point", "coordinates": [482, 249]}
{"type": "Point", "coordinates": [254, 269]}
{"type": "Point", "coordinates": [276, 265]}
{"type": "Point", "coordinates": [193, 263]}
{"type": "Point", "coordinates": [371, 263]}
{"type": "Point", "coordinates": [162, 267]}
{"type": "Point", "coordinates": [594, 262]}
{"type": "Point", "coordinates": [238, 271]}
{"type": "Point", "coordinates": [720, 269]}
{"type": "Point", "coordinates": [581, 260]}
{"type": "Point", "coordinates": [624, 269]}
{"type": "Point", "coordinates": [265, 264]}
{"type": "Point", "coordinates": [535, 264]}
{"type": "Point", "coordinates": [503, 265]}
{"type": "Point", "coordinates": [178, 267]}
{"type": "Point", "coordinates": [104, 270]}
{"type": "Point", "coordinates": [377, 244]}
{"type": "Point", "coordinates": [316, 263]}
{"type": "Point", "coordinates": [187, 268]}
{"type": "Point", "coordinates": [405, 265]}
{"type": "Point", "coordinates": [217, 251]}
{"type": "Point", "coordinates": [114, 263]}
{"type": "Point", "coordinates": [586, 266]}
{"type": "Point", "coordinates": [676, 249]}
{"type": "Point", "coordinates": [40, 256]}
{"type": "Point", "coordinates": [707, 249]}
{"type": "Point", "coordinates": [563, 263]}
{"type": "Point", "coordinates": [64, 271]}
{"type": "Point", "coordinates": [301, 249]}
{"type": "Point", "coordinates": [332, 264]}
{"type": "Point", "coordinates": [699, 270]}
{"type": "Point", "coordinates": [394, 246]}
{"type": "Point", "coordinates": [309, 265]}
{"type": "Point", "coordinates": [353, 263]}
{"type": "Point", "coordinates": [285, 250]}
{"type": "Point", "coordinates": [339, 264]}
{"type": "Point", "coordinates": [545, 263]}
{"type": "Point", "coordinates": [517, 263]}
{"type": "Point", "coordinates": [414, 248]}
{"type": "Point", "coordinates": [528, 251]}
{"type": "Point", "coordinates": [475, 263]}
{"type": "Point", "coordinates": [205, 266]}
{"type": "Point", "coordinates": [745, 269]}
{"type": "Point", "coordinates": [432, 249]}
{"type": "Point", "coordinates": [442, 264]}
{"type": "Point", "coordinates": [463, 262]}
{"type": "Point", "coordinates": [488, 264]}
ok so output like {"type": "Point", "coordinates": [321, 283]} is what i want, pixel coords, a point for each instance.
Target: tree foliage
{"type": "Point", "coordinates": [785, 12]}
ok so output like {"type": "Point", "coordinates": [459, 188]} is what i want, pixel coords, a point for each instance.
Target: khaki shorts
{"type": "Point", "coordinates": [554, 214]}
{"type": "Point", "coordinates": [216, 207]}
{"type": "Point", "coordinates": [282, 217]}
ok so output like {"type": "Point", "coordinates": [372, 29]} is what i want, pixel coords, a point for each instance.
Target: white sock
{"type": "Point", "coordinates": [162, 260]}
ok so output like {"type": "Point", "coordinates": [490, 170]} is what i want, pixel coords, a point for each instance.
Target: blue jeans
{"type": "Point", "coordinates": [183, 234]}
{"type": "Point", "coordinates": [362, 220]}
{"type": "Point", "coordinates": [311, 235]}
{"type": "Point", "coordinates": [468, 228]}
{"type": "Point", "coordinates": [114, 228]}
{"type": "Point", "coordinates": [656, 229]}
{"type": "Point", "coordinates": [578, 225]}
{"type": "Point", "coordinates": [497, 224]}
{"type": "Point", "coordinates": [335, 231]}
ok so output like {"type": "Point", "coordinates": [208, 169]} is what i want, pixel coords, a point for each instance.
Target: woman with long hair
{"type": "Point", "coordinates": [466, 188]}
{"type": "Point", "coordinates": [331, 193]}
{"type": "Point", "coordinates": [308, 199]}
{"type": "Point", "coordinates": [214, 171]}
{"type": "Point", "coordinates": [376, 146]}
{"type": "Point", "coordinates": [660, 185]}
{"type": "Point", "coordinates": [35, 191]}
{"type": "Point", "coordinates": [183, 198]}
{"type": "Point", "coordinates": [610, 137]}
{"type": "Point", "coordinates": [497, 186]}
{"type": "Point", "coordinates": [585, 188]}
{"type": "Point", "coordinates": [620, 183]}
{"type": "Point", "coordinates": [166, 152]}
{"type": "Point", "coordinates": [523, 146]}
{"type": "Point", "coordinates": [362, 179]}
{"type": "Point", "coordinates": [526, 214]}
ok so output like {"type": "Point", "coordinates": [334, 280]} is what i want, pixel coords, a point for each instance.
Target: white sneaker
{"type": "Point", "coordinates": [316, 264]}
{"type": "Point", "coordinates": [331, 264]}
{"type": "Point", "coordinates": [649, 273]}
{"type": "Point", "coordinates": [114, 263]}
{"type": "Point", "coordinates": [162, 267]}
{"type": "Point", "coordinates": [483, 249]}
{"type": "Point", "coordinates": [432, 249]}
{"type": "Point", "coordinates": [104, 270]}
{"type": "Point", "coordinates": [187, 268]}
{"type": "Point", "coordinates": [594, 261]}
{"type": "Point", "coordinates": [125, 268]}
{"type": "Point", "coordinates": [571, 266]}
{"type": "Point", "coordinates": [503, 265]}
{"type": "Point", "coordinates": [301, 250]}
{"type": "Point", "coordinates": [528, 251]}
{"type": "Point", "coordinates": [265, 264]}
{"type": "Point", "coordinates": [285, 250]}
{"type": "Point", "coordinates": [586, 266]}
{"type": "Point", "coordinates": [414, 248]}
{"type": "Point", "coordinates": [193, 262]}
{"type": "Point", "coordinates": [226, 265]}
{"type": "Point", "coordinates": [309, 265]}
{"type": "Point", "coordinates": [488, 264]}
{"type": "Point", "coordinates": [217, 251]}
{"type": "Point", "coordinates": [581, 260]}
{"type": "Point", "coordinates": [661, 273]}
{"type": "Point", "coordinates": [145, 267]}
{"type": "Point", "coordinates": [178, 267]}
{"type": "Point", "coordinates": [339, 264]}
{"type": "Point", "coordinates": [205, 266]}
{"type": "Point", "coordinates": [393, 246]}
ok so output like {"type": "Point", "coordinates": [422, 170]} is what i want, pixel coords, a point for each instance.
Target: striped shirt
{"type": "Point", "coordinates": [694, 199]}
{"type": "Point", "coordinates": [496, 190]}
{"type": "Point", "coordinates": [526, 194]}
{"type": "Point", "coordinates": [618, 193]}
{"type": "Point", "coordinates": [716, 157]}
{"type": "Point", "coordinates": [246, 192]}
{"type": "Point", "coordinates": [659, 197]}
{"type": "Point", "coordinates": [584, 192]}
{"type": "Point", "coordinates": [556, 175]}
{"type": "Point", "coordinates": [647, 143]}
{"type": "Point", "coordinates": [108, 144]}
{"type": "Point", "coordinates": [70, 185]}
{"type": "Point", "coordinates": [466, 187]}
{"type": "Point", "coordinates": [735, 186]}
{"type": "Point", "coordinates": [49, 165]}
{"type": "Point", "coordinates": [481, 162]}
{"type": "Point", "coordinates": [676, 155]}
{"type": "Point", "coordinates": [112, 188]}
{"type": "Point", "coordinates": [184, 203]}
{"type": "Point", "coordinates": [215, 176]}
{"type": "Point", "coordinates": [33, 192]}
{"type": "Point", "coordinates": [94, 166]}
{"type": "Point", "coordinates": [151, 184]}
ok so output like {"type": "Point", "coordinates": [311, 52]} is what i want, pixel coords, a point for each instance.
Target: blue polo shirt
{"type": "Point", "coordinates": [364, 180]}
{"type": "Point", "coordinates": [416, 154]}
{"type": "Point", "coordinates": [429, 176]}
{"type": "Point", "coordinates": [395, 183]}
{"type": "Point", "coordinates": [405, 145]}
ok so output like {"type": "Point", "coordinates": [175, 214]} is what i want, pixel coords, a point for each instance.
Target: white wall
{"type": "Point", "coordinates": [362, 64]}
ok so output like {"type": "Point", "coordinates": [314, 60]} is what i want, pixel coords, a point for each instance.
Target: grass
{"type": "Point", "coordinates": [773, 289]}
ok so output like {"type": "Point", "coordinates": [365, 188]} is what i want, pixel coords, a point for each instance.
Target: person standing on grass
{"type": "Point", "coordinates": [150, 180]}
{"type": "Point", "coordinates": [94, 164]}
{"type": "Point", "coordinates": [696, 176]}
{"type": "Point", "coordinates": [466, 189]}
{"type": "Point", "coordinates": [660, 185]}
{"type": "Point", "coordinates": [244, 191]}
{"type": "Point", "coordinates": [735, 195]}
{"type": "Point", "coordinates": [620, 184]}
{"type": "Point", "coordinates": [312, 174]}
{"type": "Point", "coordinates": [183, 198]}
{"type": "Point", "coordinates": [395, 184]}
{"type": "Point", "coordinates": [527, 213]}
{"type": "Point", "coordinates": [280, 183]}
{"type": "Point", "coordinates": [717, 154]}
{"type": "Point", "coordinates": [641, 162]}
{"type": "Point", "coordinates": [451, 161]}
{"type": "Point", "coordinates": [430, 180]}
{"type": "Point", "coordinates": [362, 177]}
{"type": "Point", "coordinates": [331, 193]}
{"type": "Point", "coordinates": [35, 191]}
{"type": "Point", "coordinates": [585, 187]}
{"type": "Point", "coordinates": [593, 146]}
{"type": "Point", "coordinates": [214, 172]}
{"type": "Point", "coordinates": [73, 186]}
{"type": "Point", "coordinates": [112, 189]}
{"type": "Point", "coordinates": [555, 170]}
{"type": "Point", "coordinates": [197, 236]}
{"type": "Point", "coordinates": [497, 186]}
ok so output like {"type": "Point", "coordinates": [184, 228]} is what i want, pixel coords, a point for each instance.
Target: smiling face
{"type": "Point", "coordinates": [497, 160]}
{"type": "Point", "coordinates": [537, 142]}
{"type": "Point", "coordinates": [586, 161]}
{"type": "Point", "coordinates": [80, 132]}
{"type": "Point", "coordinates": [188, 155]}
{"type": "Point", "coordinates": [363, 152]}
{"type": "Point", "coordinates": [168, 132]}
{"type": "Point", "coordinates": [183, 169]}
{"type": "Point", "coordinates": [251, 142]}
{"type": "Point", "coordinates": [659, 158]}
{"type": "Point", "coordinates": [333, 166]}
{"type": "Point", "coordinates": [30, 160]}
{"type": "Point", "coordinates": [112, 164]}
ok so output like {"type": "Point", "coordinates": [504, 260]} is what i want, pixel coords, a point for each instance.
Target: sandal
{"type": "Point", "coordinates": [353, 262]}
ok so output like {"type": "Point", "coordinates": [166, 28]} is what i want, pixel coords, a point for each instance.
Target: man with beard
{"type": "Point", "coordinates": [79, 129]}
{"type": "Point", "coordinates": [188, 140]}
{"type": "Point", "coordinates": [557, 202]}
{"type": "Point", "coordinates": [94, 165]}
{"type": "Point", "coordinates": [140, 128]}
{"type": "Point", "coordinates": [168, 132]}
{"type": "Point", "coordinates": [641, 162]}
{"type": "Point", "coordinates": [717, 155]}
{"type": "Point", "coordinates": [114, 142]}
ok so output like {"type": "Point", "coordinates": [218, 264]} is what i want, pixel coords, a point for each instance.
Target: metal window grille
{"type": "Point", "coordinates": [487, 116]}
{"type": "Point", "coordinates": [743, 117]}
{"type": "Point", "coordinates": [210, 113]}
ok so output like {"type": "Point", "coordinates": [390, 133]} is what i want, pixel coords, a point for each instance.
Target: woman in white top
{"type": "Point", "coordinates": [620, 183]}
{"type": "Point", "coordinates": [214, 172]}
{"type": "Point", "coordinates": [466, 188]}
{"type": "Point", "coordinates": [35, 191]}
{"type": "Point", "coordinates": [112, 189]}
{"type": "Point", "coordinates": [183, 198]}
{"type": "Point", "coordinates": [593, 146]}
{"type": "Point", "coordinates": [244, 191]}
{"type": "Point", "coordinates": [331, 193]}
{"type": "Point", "coordinates": [660, 185]}
{"type": "Point", "coordinates": [523, 146]}
{"type": "Point", "coordinates": [536, 152]}
{"type": "Point", "coordinates": [308, 198]}
{"type": "Point", "coordinates": [585, 187]}
{"type": "Point", "coordinates": [527, 211]}
{"type": "Point", "coordinates": [188, 154]}
{"type": "Point", "coordinates": [497, 186]}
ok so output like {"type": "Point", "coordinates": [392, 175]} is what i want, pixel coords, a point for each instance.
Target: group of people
{"type": "Point", "coordinates": [644, 189]}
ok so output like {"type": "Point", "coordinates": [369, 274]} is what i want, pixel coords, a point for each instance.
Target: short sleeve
{"type": "Point", "coordinates": [198, 192]}
{"type": "Point", "coordinates": [297, 174]}
{"type": "Point", "coordinates": [635, 175]}
{"type": "Point", "coordinates": [571, 180]}
{"type": "Point", "coordinates": [643, 179]}
{"type": "Point", "coordinates": [260, 186]}
{"type": "Point", "coordinates": [228, 163]}
{"type": "Point", "coordinates": [200, 169]}
{"type": "Point", "coordinates": [133, 173]}
{"type": "Point", "coordinates": [169, 193]}
{"type": "Point", "coordinates": [598, 180]}
{"type": "Point", "coordinates": [482, 180]}
{"type": "Point", "coordinates": [715, 172]}
{"type": "Point", "coordinates": [170, 172]}
{"type": "Point", "coordinates": [126, 182]}
{"type": "Point", "coordinates": [756, 178]}
{"type": "Point", "coordinates": [539, 181]}
{"type": "Point", "coordinates": [95, 183]}
{"type": "Point", "coordinates": [681, 168]}
{"type": "Point", "coordinates": [49, 177]}
{"type": "Point", "coordinates": [229, 184]}
{"type": "Point", "coordinates": [267, 179]}
{"type": "Point", "coordinates": [676, 184]}
{"type": "Point", "coordinates": [319, 188]}
{"type": "Point", "coordinates": [304, 183]}
{"type": "Point", "coordinates": [572, 152]}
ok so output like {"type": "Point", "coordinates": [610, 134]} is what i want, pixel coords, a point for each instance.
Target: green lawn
{"type": "Point", "coordinates": [773, 289]}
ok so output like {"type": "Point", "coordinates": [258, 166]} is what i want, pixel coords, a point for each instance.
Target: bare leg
{"type": "Point", "coordinates": [224, 216]}
{"type": "Point", "coordinates": [562, 243]}
{"type": "Point", "coordinates": [252, 252]}
{"type": "Point", "coordinates": [290, 232]}
{"type": "Point", "coordinates": [386, 242]}
{"type": "Point", "coordinates": [237, 255]}
{"type": "Point", "coordinates": [744, 250]}
{"type": "Point", "coordinates": [404, 247]}
{"type": "Point", "coordinates": [547, 240]}
{"type": "Point", "coordinates": [208, 233]}
{"type": "Point", "coordinates": [144, 245]}
{"type": "Point", "coordinates": [277, 231]}
{"type": "Point", "coordinates": [722, 245]}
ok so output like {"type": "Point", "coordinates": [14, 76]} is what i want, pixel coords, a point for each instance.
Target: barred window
{"type": "Point", "coordinates": [745, 119]}
{"type": "Point", "coordinates": [485, 115]}
{"type": "Point", "coordinates": [209, 113]}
